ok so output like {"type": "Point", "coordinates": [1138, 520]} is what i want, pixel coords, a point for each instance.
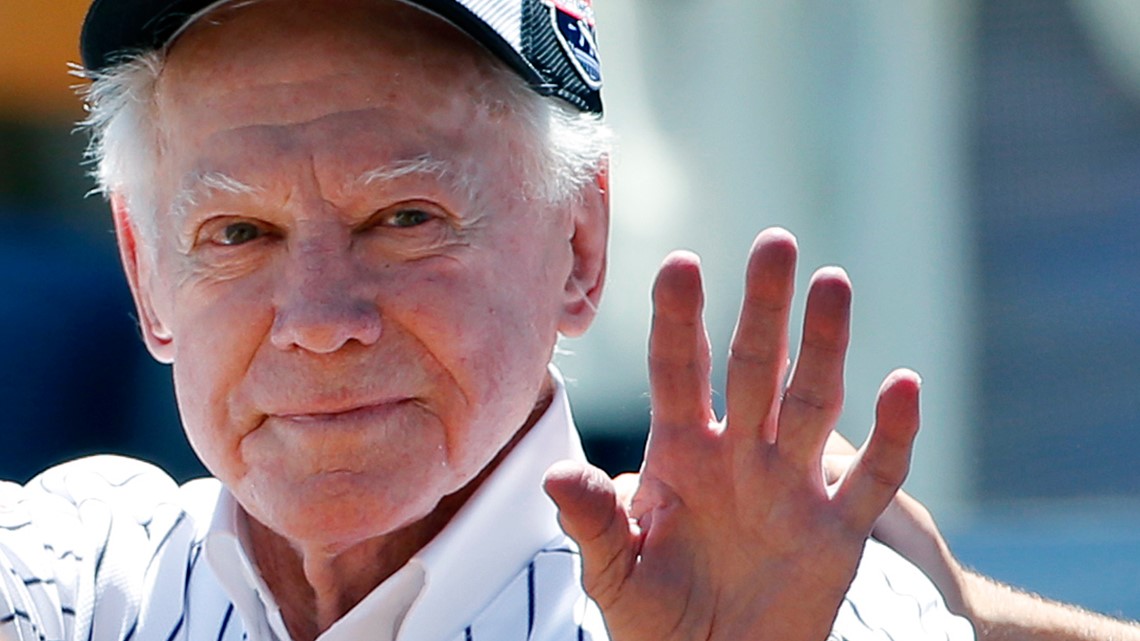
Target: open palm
{"type": "Point", "coordinates": [731, 533]}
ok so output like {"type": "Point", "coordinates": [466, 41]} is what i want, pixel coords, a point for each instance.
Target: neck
{"type": "Point", "coordinates": [314, 587]}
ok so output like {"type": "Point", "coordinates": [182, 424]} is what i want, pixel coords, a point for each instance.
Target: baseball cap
{"type": "Point", "coordinates": [550, 43]}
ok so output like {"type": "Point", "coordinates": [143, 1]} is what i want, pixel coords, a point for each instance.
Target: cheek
{"type": "Point", "coordinates": [494, 337]}
{"type": "Point", "coordinates": [217, 333]}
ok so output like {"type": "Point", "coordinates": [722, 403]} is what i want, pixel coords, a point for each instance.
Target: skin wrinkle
{"type": "Point", "coordinates": [396, 169]}
{"type": "Point", "coordinates": [202, 186]}
{"type": "Point", "coordinates": [127, 134]}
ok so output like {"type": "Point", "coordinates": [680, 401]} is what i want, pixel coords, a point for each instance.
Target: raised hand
{"type": "Point", "coordinates": [732, 534]}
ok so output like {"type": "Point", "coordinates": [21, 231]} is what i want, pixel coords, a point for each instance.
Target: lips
{"type": "Point", "coordinates": [324, 412]}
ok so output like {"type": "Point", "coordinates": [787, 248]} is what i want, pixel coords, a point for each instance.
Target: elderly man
{"type": "Point", "coordinates": [355, 229]}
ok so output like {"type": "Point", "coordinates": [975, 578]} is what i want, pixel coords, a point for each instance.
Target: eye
{"type": "Point", "coordinates": [411, 220]}
{"type": "Point", "coordinates": [239, 233]}
{"type": "Point", "coordinates": [407, 217]}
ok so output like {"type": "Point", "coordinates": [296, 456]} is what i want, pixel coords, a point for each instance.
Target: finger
{"type": "Point", "coordinates": [679, 359]}
{"type": "Point", "coordinates": [883, 462]}
{"type": "Point", "coordinates": [814, 397]}
{"type": "Point", "coordinates": [591, 513]}
{"type": "Point", "coordinates": [759, 352]}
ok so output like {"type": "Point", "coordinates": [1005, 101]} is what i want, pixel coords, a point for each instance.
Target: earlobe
{"type": "Point", "coordinates": [589, 242]}
{"type": "Point", "coordinates": [139, 268]}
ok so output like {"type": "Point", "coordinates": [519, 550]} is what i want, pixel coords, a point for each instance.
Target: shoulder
{"type": "Point", "coordinates": [80, 543]}
{"type": "Point", "coordinates": [102, 476]}
{"type": "Point", "coordinates": [113, 486]}
{"type": "Point", "coordinates": [100, 517]}
{"type": "Point", "coordinates": [86, 506]}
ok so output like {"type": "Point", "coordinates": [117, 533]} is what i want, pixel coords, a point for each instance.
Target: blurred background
{"type": "Point", "coordinates": [974, 165]}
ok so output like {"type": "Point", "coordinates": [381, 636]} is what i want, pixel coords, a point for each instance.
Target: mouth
{"type": "Point", "coordinates": [352, 413]}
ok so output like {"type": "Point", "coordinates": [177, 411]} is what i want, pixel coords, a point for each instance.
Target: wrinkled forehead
{"type": "Point", "coordinates": [270, 87]}
{"type": "Point", "coordinates": [273, 62]}
{"type": "Point", "coordinates": [292, 35]}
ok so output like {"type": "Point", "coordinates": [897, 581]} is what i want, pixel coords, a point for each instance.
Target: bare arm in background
{"type": "Point", "coordinates": [999, 612]}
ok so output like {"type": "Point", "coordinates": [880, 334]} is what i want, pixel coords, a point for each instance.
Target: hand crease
{"type": "Point", "coordinates": [753, 357]}
{"type": "Point", "coordinates": [809, 400]}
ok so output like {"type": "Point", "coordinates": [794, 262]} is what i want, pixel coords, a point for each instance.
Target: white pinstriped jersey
{"type": "Point", "coordinates": [110, 549]}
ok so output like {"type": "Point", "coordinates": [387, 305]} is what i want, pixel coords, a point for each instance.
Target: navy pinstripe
{"type": "Point", "coordinates": [146, 564]}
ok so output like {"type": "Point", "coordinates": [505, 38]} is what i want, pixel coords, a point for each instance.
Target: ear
{"type": "Point", "coordinates": [138, 263]}
{"type": "Point", "coordinates": [591, 221]}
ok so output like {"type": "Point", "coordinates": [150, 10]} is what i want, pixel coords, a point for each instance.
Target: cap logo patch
{"type": "Point", "coordinates": [580, 9]}
{"type": "Point", "coordinates": [573, 22]}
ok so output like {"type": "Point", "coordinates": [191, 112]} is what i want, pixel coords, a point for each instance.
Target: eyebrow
{"type": "Point", "coordinates": [202, 185]}
{"type": "Point", "coordinates": [399, 169]}
{"type": "Point", "coordinates": [425, 165]}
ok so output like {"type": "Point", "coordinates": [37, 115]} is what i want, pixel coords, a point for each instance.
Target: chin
{"type": "Point", "coordinates": [337, 510]}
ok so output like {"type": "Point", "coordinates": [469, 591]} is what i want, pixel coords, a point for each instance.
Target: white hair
{"type": "Point", "coordinates": [569, 147]}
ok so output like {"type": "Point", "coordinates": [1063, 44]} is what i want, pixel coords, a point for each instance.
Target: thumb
{"type": "Point", "coordinates": [592, 513]}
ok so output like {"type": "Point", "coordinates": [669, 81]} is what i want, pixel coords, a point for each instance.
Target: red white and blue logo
{"type": "Point", "coordinates": [573, 22]}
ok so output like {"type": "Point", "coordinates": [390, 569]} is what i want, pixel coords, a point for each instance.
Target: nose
{"type": "Point", "coordinates": [324, 305]}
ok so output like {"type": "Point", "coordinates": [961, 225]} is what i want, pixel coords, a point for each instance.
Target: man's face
{"type": "Point", "coordinates": [357, 297]}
